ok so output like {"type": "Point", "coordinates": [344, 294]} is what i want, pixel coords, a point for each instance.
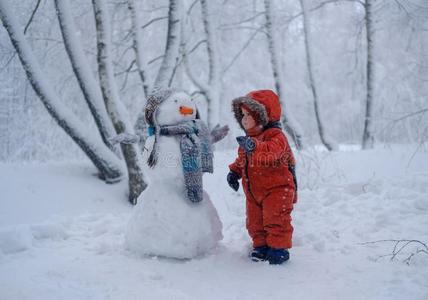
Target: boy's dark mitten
{"type": "Point", "coordinates": [246, 143]}
{"type": "Point", "coordinates": [232, 180]}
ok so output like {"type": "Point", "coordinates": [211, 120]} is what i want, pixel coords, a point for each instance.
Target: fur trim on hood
{"type": "Point", "coordinates": [255, 107]}
{"type": "Point", "coordinates": [263, 104]}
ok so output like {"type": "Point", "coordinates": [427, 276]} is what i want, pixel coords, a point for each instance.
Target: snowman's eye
{"type": "Point", "coordinates": [176, 101]}
{"type": "Point", "coordinates": [191, 99]}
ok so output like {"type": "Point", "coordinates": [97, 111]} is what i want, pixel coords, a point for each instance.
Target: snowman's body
{"type": "Point", "coordinates": [165, 222]}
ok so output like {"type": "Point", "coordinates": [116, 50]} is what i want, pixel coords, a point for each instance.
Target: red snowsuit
{"type": "Point", "coordinates": [266, 178]}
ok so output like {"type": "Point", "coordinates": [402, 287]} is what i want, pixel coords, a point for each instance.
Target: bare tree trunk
{"type": "Point", "coordinates": [214, 80]}
{"type": "Point", "coordinates": [163, 78]}
{"type": "Point", "coordinates": [327, 142]}
{"type": "Point", "coordinates": [112, 100]}
{"type": "Point", "coordinates": [137, 46]}
{"type": "Point", "coordinates": [291, 126]}
{"type": "Point", "coordinates": [106, 162]}
{"type": "Point", "coordinates": [211, 89]}
{"type": "Point", "coordinates": [368, 138]}
{"type": "Point", "coordinates": [81, 69]}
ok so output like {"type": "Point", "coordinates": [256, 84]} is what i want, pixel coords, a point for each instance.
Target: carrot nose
{"type": "Point", "coordinates": [184, 110]}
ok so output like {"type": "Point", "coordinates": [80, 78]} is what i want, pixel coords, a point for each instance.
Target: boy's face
{"type": "Point", "coordinates": [247, 121]}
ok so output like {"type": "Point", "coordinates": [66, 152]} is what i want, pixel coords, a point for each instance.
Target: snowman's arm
{"type": "Point", "coordinates": [125, 138]}
{"type": "Point", "coordinates": [218, 133]}
{"type": "Point", "coordinates": [184, 128]}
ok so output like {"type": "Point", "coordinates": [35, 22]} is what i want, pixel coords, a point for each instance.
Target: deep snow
{"type": "Point", "coordinates": [62, 234]}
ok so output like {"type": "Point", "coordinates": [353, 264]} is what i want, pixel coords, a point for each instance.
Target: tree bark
{"type": "Point", "coordinates": [214, 80]}
{"type": "Point", "coordinates": [210, 89]}
{"type": "Point", "coordinates": [163, 78]}
{"type": "Point", "coordinates": [83, 73]}
{"type": "Point", "coordinates": [138, 46]}
{"type": "Point", "coordinates": [105, 161]}
{"type": "Point", "coordinates": [368, 138]}
{"type": "Point", "coordinates": [327, 142]}
{"type": "Point", "coordinates": [291, 126]}
{"type": "Point", "coordinates": [115, 108]}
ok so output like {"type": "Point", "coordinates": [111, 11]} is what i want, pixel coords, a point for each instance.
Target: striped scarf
{"type": "Point", "coordinates": [196, 153]}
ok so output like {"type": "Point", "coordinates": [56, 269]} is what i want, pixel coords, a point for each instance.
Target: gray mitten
{"type": "Point", "coordinates": [218, 133]}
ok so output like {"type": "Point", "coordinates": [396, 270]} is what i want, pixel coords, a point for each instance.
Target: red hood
{"type": "Point", "coordinates": [270, 101]}
{"type": "Point", "coordinates": [264, 104]}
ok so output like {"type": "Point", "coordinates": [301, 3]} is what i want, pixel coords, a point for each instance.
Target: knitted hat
{"type": "Point", "coordinates": [153, 102]}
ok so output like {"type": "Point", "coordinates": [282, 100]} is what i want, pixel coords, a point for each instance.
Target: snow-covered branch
{"type": "Point", "coordinates": [114, 105]}
{"type": "Point", "coordinates": [210, 89]}
{"type": "Point", "coordinates": [83, 72]}
{"type": "Point", "coordinates": [107, 163]}
{"type": "Point", "coordinates": [291, 126]}
{"type": "Point", "coordinates": [138, 45]}
{"type": "Point", "coordinates": [166, 69]}
{"type": "Point", "coordinates": [400, 246]}
{"type": "Point", "coordinates": [325, 139]}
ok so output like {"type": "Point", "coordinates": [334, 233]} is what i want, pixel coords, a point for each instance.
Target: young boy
{"type": "Point", "coordinates": [266, 166]}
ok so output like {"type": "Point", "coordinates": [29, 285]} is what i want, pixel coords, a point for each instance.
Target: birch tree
{"type": "Point", "coordinates": [368, 138]}
{"type": "Point", "coordinates": [164, 76]}
{"type": "Point", "coordinates": [291, 126]}
{"type": "Point", "coordinates": [211, 89]}
{"type": "Point", "coordinates": [325, 139]}
{"type": "Point", "coordinates": [106, 162]}
{"type": "Point", "coordinates": [138, 46]}
{"type": "Point", "coordinates": [83, 72]}
{"type": "Point", "coordinates": [115, 108]}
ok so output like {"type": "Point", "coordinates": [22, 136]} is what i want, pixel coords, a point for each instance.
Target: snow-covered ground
{"type": "Point", "coordinates": [62, 234]}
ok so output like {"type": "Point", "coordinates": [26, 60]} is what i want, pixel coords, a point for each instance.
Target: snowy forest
{"type": "Point", "coordinates": [346, 71]}
{"type": "Point", "coordinates": [76, 77]}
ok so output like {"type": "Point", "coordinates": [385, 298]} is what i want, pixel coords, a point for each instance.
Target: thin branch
{"type": "Point", "coordinates": [245, 20]}
{"type": "Point", "coordinates": [321, 5]}
{"type": "Point", "coordinates": [197, 45]}
{"type": "Point", "coordinates": [189, 11]}
{"type": "Point", "coordinates": [395, 240]}
{"type": "Point", "coordinates": [155, 59]}
{"type": "Point", "coordinates": [8, 62]}
{"type": "Point", "coordinates": [411, 114]}
{"type": "Point", "coordinates": [399, 246]}
{"type": "Point", "coordinates": [238, 28]}
{"type": "Point", "coordinates": [155, 9]}
{"type": "Point", "coordinates": [197, 92]}
{"type": "Point", "coordinates": [180, 60]}
{"type": "Point", "coordinates": [32, 16]}
{"type": "Point", "coordinates": [393, 121]}
{"type": "Point", "coordinates": [242, 49]}
{"type": "Point", "coordinates": [153, 20]}
{"type": "Point", "coordinates": [127, 69]}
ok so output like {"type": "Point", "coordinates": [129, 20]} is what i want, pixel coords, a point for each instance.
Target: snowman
{"type": "Point", "coordinates": [174, 217]}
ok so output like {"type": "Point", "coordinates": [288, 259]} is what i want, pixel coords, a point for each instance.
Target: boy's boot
{"type": "Point", "coordinates": [277, 256]}
{"type": "Point", "coordinates": [259, 253]}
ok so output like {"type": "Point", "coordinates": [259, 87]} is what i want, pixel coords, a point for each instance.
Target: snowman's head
{"type": "Point", "coordinates": [177, 108]}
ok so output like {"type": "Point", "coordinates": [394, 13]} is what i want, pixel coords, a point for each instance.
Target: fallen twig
{"type": "Point", "coordinates": [399, 246]}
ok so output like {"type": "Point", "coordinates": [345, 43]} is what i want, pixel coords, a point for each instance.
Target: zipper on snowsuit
{"type": "Point", "coordinates": [248, 178]}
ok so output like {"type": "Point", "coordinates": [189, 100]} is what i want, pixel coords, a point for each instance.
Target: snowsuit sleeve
{"type": "Point", "coordinates": [273, 149]}
{"type": "Point", "coordinates": [239, 163]}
